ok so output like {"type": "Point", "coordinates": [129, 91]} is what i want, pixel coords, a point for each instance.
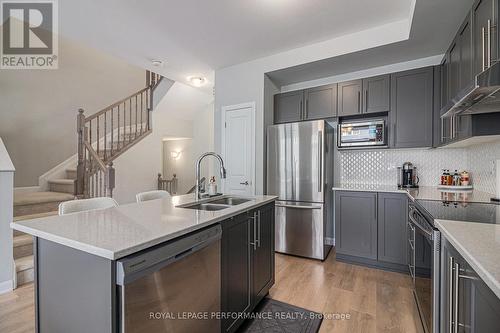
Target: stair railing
{"type": "Point", "coordinates": [169, 185]}
{"type": "Point", "coordinates": [105, 135]}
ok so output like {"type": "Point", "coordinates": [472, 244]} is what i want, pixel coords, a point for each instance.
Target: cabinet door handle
{"type": "Point", "coordinates": [483, 36]}
{"type": "Point", "coordinates": [306, 111]}
{"type": "Point", "coordinates": [258, 227]}
{"type": "Point", "coordinates": [442, 130]}
{"type": "Point", "coordinates": [488, 45]}
{"type": "Point", "coordinates": [359, 101]}
{"type": "Point", "coordinates": [455, 305]}
{"type": "Point", "coordinates": [301, 111]}
{"type": "Point", "coordinates": [254, 222]}
{"type": "Point", "coordinates": [450, 294]}
{"type": "Point", "coordinates": [366, 101]}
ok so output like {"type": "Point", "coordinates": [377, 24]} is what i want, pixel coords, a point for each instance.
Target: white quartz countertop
{"type": "Point", "coordinates": [479, 244]}
{"type": "Point", "coordinates": [421, 193]}
{"type": "Point", "coordinates": [114, 233]}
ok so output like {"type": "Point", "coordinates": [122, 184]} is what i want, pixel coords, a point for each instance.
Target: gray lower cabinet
{"type": "Point", "coordinates": [263, 255]}
{"type": "Point", "coordinates": [356, 224]}
{"type": "Point", "coordinates": [288, 107]}
{"type": "Point", "coordinates": [392, 215]}
{"type": "Point", "coordinates": [412, 108]}
{"type": "Point", "coordinates": [370, 229]}
{"type": "Point", "coordinates": [247, 263]}
{"type": "Point", "coordinates": [466, 301]}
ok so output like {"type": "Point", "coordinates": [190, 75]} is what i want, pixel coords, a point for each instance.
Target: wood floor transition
{"type": "Point", "coordinates": [375, 300]}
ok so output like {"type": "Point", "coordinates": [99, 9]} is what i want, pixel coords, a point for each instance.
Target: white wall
{"type": "Point", "coordinates": [38, 108]}
{"type": "Point", "coordinates": [6, 214]}
{"type": "Point", "coordinates": [183, 112]}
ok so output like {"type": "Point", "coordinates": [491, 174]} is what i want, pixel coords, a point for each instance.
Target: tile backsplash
{"type": "Point", "coordinates": [482, 163]}
{"type": "Point", "coordinates": [380, 166]}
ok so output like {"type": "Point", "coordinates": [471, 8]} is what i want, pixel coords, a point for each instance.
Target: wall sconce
{"type": "Point", "coordinates": [175, 155]}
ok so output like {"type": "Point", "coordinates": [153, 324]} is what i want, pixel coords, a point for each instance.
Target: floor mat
{"type": "Point", "coordinates": [277, 317]}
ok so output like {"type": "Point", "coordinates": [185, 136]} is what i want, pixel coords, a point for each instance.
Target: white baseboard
{"type": "Point", "coordinates": [26, 189]}
{"type": "Point", "coordinates": [6, 286]}
{"type": "Point", "coordinates": [330, 241]}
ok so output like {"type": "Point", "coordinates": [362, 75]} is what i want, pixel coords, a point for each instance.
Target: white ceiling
{"type": "Point", "coordinates": [433, 27]}
{"type": "Point", "coordinates": [195, 37]}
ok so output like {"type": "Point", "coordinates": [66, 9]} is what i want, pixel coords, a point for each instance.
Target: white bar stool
{"type": "Point", "coordinates": [75, 206]}
{"type": "Point", "coordinates": [151, 195]}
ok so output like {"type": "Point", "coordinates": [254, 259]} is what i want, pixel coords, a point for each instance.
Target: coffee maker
{"type": "Point", "coordinates": [407, 176]}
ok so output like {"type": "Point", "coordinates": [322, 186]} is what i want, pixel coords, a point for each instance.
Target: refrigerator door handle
{"type": "Point", "coordinates": [320, 160]}
{"type": "Point", "coordinates": [297, 206]}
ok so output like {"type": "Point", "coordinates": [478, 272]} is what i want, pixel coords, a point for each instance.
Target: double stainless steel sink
{"type": "Point", "coordinates": [217, 204]}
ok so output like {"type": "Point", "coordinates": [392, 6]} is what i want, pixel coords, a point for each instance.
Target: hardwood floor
{"type": "Point", "coordinates": [17, 312]}
{"type": "Point", "coordinates": [375, 300]}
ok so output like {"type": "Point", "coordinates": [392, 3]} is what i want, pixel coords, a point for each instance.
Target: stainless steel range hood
{"type": "Point", "coordinates": [482, 96]}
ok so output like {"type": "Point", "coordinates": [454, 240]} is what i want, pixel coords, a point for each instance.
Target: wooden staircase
{"type": "Point", "coordinates": [102, 137]}
{"type": "Point", "coordinates": [107, 134]}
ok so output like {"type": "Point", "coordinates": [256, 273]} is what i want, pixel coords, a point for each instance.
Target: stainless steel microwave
{"type": "Point", "coordinates": [366, 133]}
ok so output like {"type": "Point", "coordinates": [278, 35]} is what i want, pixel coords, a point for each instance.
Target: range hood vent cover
{"type": "Point", "coordinates": [482, 96]}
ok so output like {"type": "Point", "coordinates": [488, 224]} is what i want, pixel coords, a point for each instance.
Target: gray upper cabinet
{"type": "Point", "coordinates": [482, 12]}
{"type": "Point", "coordinates": [309, 104]}
{"type": "Point", "coordinates": [288, 107]}
{"type": "Point", "coordinates": [376, 92]}
{"type": "Point", "coordinates": [356, 224]}
{"type": "Point", "coordinates": [412, 108]}
{"type": "Point", "coordinates": [349, 98]}
{"type": "Point", "coordinates": [392, 220]}
{"type": "Point", "coordinates": [320, 102]}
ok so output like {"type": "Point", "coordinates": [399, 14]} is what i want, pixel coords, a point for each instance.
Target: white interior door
{"type": "Point", "coordinates": [238, 148]}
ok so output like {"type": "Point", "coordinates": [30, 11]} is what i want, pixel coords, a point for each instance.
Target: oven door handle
{"type": "Point", "coordinates": [413, 221]}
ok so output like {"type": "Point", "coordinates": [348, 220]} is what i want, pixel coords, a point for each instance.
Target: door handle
{"type": "Point", "coordinates": [320, 160]}
{"type": "Point", "coordinates": [450, 294]}
{"type": "Point", "coordinates": [297, 206]}
{"type": "Point", "coordinates": [245, 183]}
{"type": "Point", "coordinates": [254, 243]}
{"type": "Point", "coordinates": [359, 101]}
{"type": "Point", "coordinates": [366, 101]}
{"type": "Point", "coordinates": [306, 110]}
{"type": "Point", "coordinates": [258, 228]}
{"type": "Point", "coordinates": [488, 45]}
{"type": "Point", "coordinates": [483, 36]}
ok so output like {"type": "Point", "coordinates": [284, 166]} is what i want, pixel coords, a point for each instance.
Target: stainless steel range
{"type": "Point", "coordinates": [425, 262]}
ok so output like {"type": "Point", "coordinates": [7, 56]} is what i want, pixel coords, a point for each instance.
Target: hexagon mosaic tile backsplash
{"type": "Point", "coordinates": [380, 166]}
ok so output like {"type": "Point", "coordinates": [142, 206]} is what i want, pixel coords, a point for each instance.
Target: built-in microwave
{"type": "Point", "coordinates": [362, 133]}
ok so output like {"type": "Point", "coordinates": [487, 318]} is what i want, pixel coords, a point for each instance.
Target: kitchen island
{"type": "Point", "coordinates": [80, 260]}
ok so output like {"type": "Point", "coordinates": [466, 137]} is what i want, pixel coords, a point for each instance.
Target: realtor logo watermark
{"type": "Point", "coordinates": [29, 34]}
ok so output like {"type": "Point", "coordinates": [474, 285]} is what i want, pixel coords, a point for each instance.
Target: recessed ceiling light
{"type": "Point", "coordinates": [157, 63]}
{"type": "Point", "coordinates": [197, 81]}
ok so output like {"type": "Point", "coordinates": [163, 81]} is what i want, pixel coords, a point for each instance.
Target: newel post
{"type": "Point", "coordinates": [110, 179]}
{"type": "Point", "coordinates": [80, 169]}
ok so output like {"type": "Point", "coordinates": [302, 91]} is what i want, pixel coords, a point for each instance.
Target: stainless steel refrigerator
{"type": "Point", "coordinates": [300, 161]}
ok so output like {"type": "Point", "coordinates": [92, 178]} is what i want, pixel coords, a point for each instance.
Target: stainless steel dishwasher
{"type": "Point", "coordinates": [173, 287]}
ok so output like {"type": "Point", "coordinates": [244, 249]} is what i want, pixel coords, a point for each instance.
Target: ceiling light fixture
{"type": "Point", "coordinates": [197, 81]}
{"type": "Point", "coordinates": [157, 63]}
